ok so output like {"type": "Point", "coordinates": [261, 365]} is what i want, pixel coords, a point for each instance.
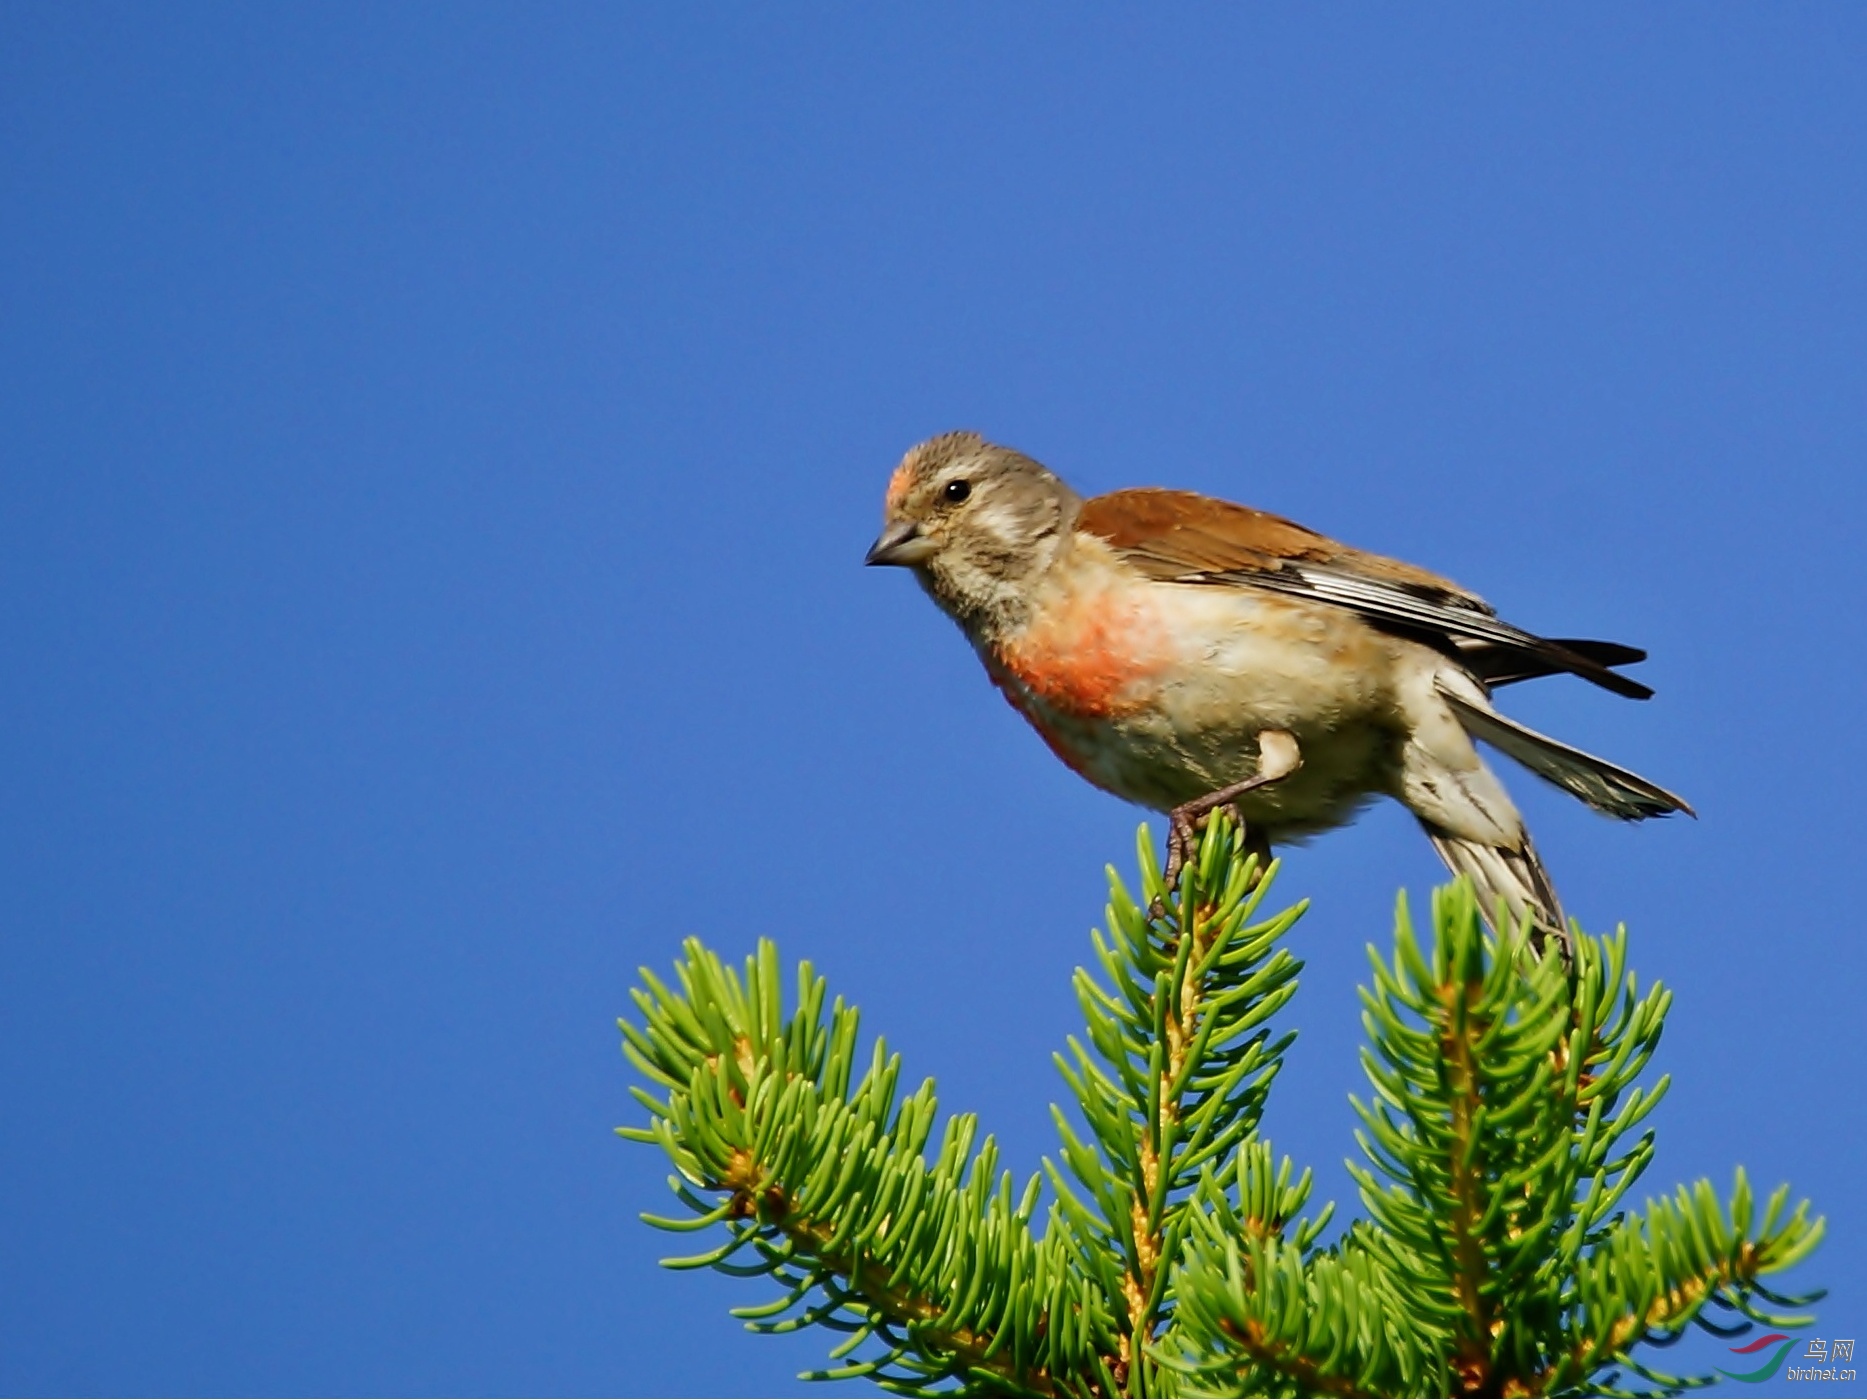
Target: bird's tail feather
{"type": "Point", "coordinates": [1602, 785]}
{"type": "Point", "coordinates": [1516, 877]}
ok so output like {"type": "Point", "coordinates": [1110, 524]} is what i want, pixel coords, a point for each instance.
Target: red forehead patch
{"type": "Point", "coordinates": [898, 486]}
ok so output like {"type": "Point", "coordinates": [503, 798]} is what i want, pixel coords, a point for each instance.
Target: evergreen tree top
{"type": "Point", "coordinates": [1504, 1130]}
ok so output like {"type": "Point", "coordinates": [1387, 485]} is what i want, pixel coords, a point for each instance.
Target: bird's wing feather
{"type": "Point", "coordinates": [1184, 537]}
{"type": "Point", "coordinates": [1498, 665]}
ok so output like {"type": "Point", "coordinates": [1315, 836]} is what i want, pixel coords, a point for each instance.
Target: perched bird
{"type": "Point", "coordinates": [1183, 652]}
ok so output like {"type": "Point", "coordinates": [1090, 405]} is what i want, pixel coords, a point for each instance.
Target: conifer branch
{"type": "Point", "coordinates": [1656, 1272]}
{"type": "Point", "coordinates": [1183, 1061]}
{"type": "Point", "coordinates": [1506, 1126]}
{"type": "Point", "coordinates": [824, 1189]}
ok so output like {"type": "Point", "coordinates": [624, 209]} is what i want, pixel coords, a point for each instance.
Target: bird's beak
{"type": "Point", "coordinates": [901, 543]}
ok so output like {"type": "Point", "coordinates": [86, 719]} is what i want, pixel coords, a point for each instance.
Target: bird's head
{"type": "Point", "coordinates": [979, 524]}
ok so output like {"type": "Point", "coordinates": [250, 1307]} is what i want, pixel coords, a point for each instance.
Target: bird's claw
{"type": "Point", "coordinates": [1278, 758]}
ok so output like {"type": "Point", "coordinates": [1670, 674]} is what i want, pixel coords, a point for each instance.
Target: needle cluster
{"type": "Point", "coordinates": [1496, 1254]}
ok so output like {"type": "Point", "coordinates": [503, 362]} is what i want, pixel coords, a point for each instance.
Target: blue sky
{"type": "Point", "coordinates": [437, 445]}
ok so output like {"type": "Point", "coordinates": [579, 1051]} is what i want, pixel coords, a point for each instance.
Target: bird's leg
{"type": "Point", "coordinates": [1278, 758]}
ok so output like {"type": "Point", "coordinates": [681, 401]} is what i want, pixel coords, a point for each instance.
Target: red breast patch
{"type": "Point", "coordinates": [1086, 659]}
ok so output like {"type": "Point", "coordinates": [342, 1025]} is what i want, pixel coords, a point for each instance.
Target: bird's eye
{"type": "Point", "coordinates": [957, 491]}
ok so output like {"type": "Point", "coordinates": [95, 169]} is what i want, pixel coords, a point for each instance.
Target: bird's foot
{"type": "Point", "coordinates": [1278, 758]}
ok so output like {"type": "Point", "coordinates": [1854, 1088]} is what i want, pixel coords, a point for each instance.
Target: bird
{"type": "Point", "coordinates": [1187, 653]}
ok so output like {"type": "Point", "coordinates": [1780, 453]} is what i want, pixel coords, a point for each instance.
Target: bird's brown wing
{"type": "Point", "coordinates": [1184, 537]}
